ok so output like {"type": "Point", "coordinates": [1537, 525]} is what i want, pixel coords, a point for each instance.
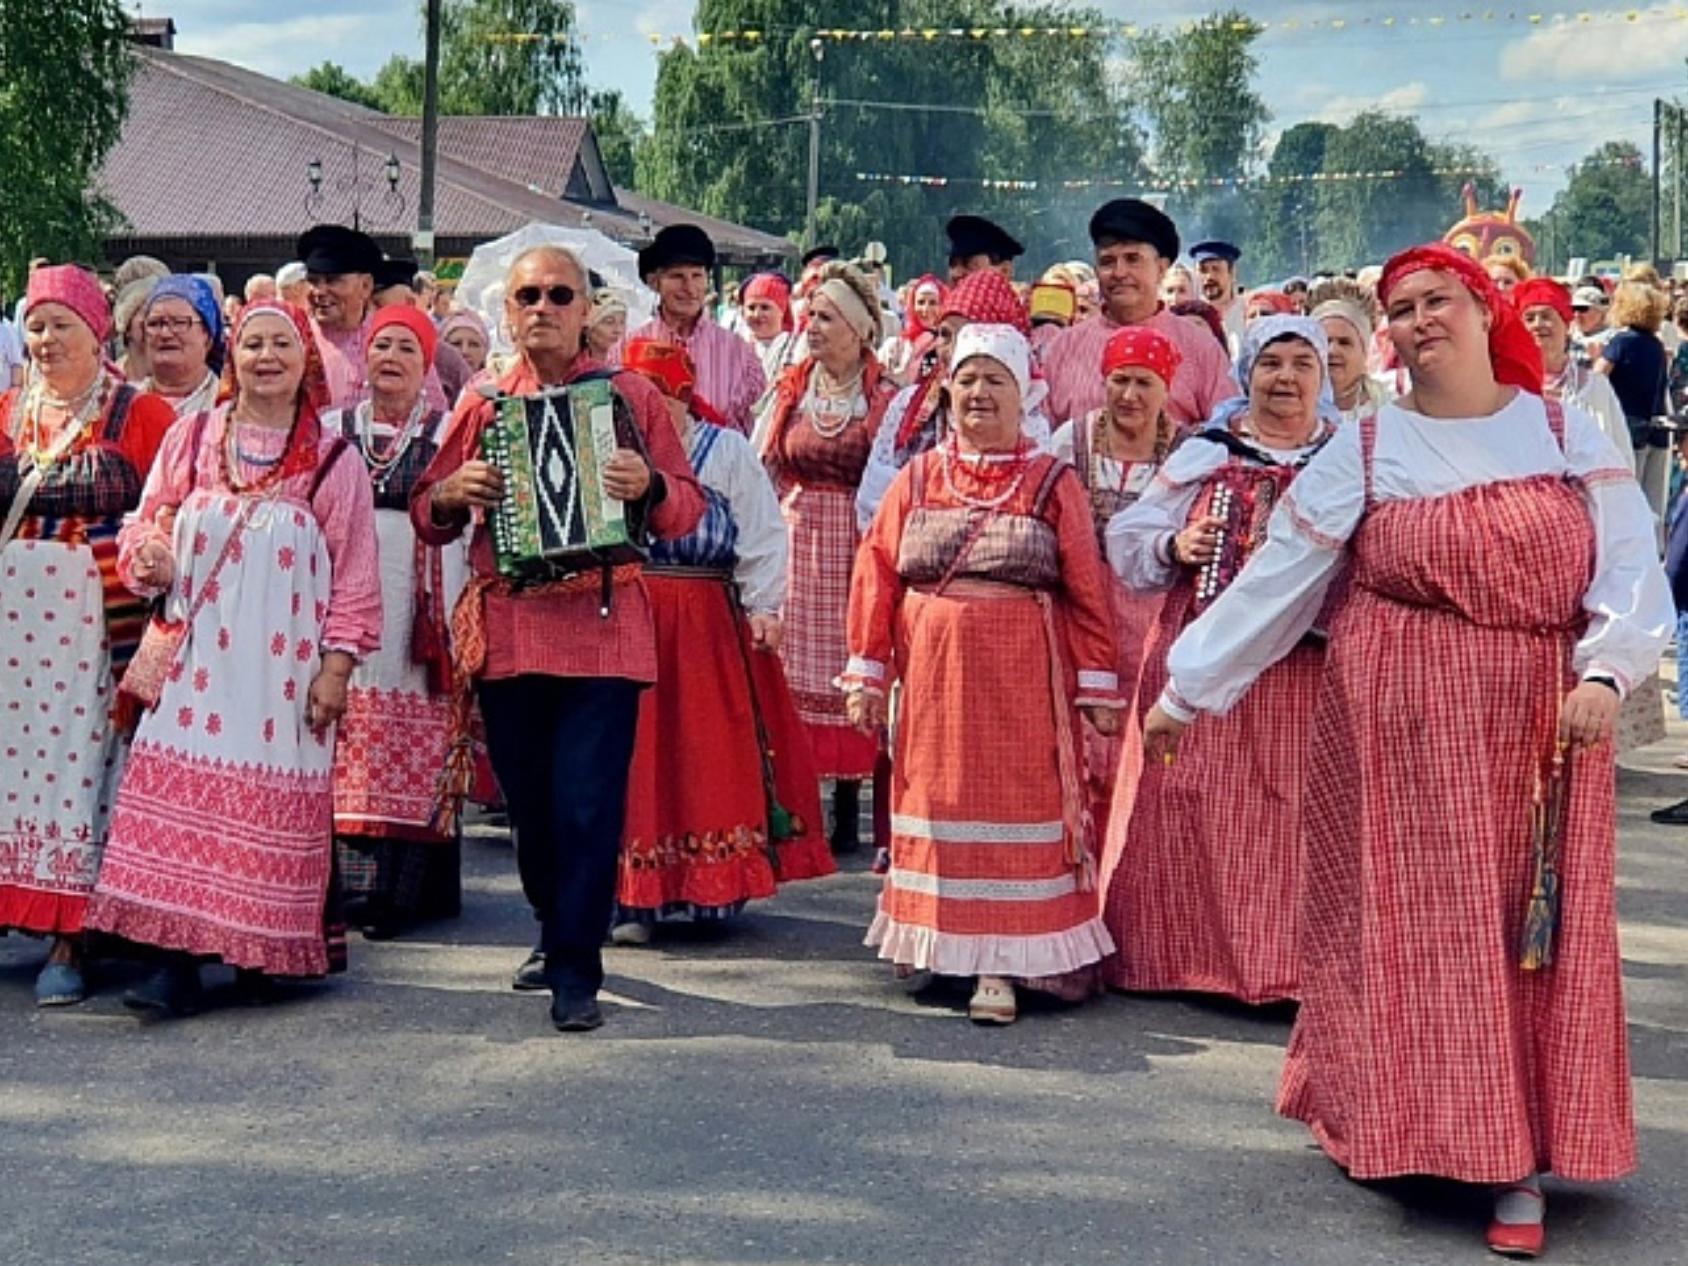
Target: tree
{"type": "Point", "coordinates": [1196, 86]}
{"type": "Point", "coordinates": [1284, 240]}
{"type": "Point", "coordinates": [334, 80]}
{"type": "Point", "coordinates": [1381, 191]}
{"type": "Point", "coordinates": [1606, 208]}
{"type": "Point", "coordinates": [399, 85]}
{"type": "Point", "coordinates": [64, 77]}
{"type": "Point", "coordinates": [620, 133]}
{"type": "Point", "coordinates": [478, 76]}
{"type": "Point", "coordinates": [729, 134]}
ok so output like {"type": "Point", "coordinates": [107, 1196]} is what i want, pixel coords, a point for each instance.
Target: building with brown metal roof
{"type": "Point", "coordinates": [220, 168]}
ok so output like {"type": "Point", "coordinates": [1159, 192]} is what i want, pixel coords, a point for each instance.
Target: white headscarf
{"type": "Point", "coordinates": [1264, 331]}
{"type": "Point", "coordinates": [1003, 344]}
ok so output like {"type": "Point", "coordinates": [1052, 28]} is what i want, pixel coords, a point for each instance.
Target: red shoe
{"type": "Point", "coordinates": [1519, 1239]}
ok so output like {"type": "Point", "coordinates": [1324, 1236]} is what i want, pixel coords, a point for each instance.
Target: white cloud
{"type": "Point", "coordinates": [1400, 100]}
{"type": "Point", "coordinates": [1603, 53]}
{"type": "Point", "coordinates": [360, 41]}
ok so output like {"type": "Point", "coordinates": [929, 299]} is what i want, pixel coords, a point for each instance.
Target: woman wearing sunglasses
{"type": "Point", "coordinates": [558, 670]}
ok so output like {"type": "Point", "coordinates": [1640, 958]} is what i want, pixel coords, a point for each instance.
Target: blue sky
{"type": "Point", "coordinates": [1537, 98]}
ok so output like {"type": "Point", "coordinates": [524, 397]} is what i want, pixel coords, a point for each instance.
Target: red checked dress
{"type": "Point", "coordinates": [67, 628]}
{"type": "Point", "coordinates": [816, 472]}
{"type": "Point", "coordinates": [1494, 559]}
{"type": "Point", "coordinates": [997, 624]}
{"type": "Point", "coordinates": [221, 838]}
{"type": "Point", "coordinates": [1203, 859]}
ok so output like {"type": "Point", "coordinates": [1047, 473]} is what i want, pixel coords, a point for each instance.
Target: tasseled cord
{"type": "Point", "coordinates": [1547, 829]}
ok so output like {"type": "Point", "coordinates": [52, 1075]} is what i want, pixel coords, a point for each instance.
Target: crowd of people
{"type": "Point", "coordinates": [1267, 644]}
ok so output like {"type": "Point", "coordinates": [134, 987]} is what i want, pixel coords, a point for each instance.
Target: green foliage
{"type": "Point", "coordinates": [398, 86]}
{"type": "Point", "coordinates": [481, 77]}
{"type": "Point", "coordinates": [334, 80]}
{"type": "Point", "coordinates": [730, 134]}
{"type": "Point", "coordinates": [620, 133]}
{"type": "Point", "coordinates": [1606, 209]}
{"type": "Point", "coordinates": [64, 76]}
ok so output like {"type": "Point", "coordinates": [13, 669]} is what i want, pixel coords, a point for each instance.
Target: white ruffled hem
{"type": "Point", "coordinates": [1020, 957]}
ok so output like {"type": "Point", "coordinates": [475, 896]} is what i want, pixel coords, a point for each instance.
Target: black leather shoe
{"type": "Point", "coordinates": [1671, 815]}
{"type": "Point", "coordinates": [575, 1015]}
{"type": "Point", "coordinates": [530, 976]}
{"type": "Point", "coordinates": [169, 991]}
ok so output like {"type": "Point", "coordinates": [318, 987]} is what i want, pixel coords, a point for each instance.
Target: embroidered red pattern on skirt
{"type": "Point", "coordinates": [1422, 1046]}
{"type": "Point", "coordinates": [697, 813]}
{"type": "Point", "coordinates": [393, 745]}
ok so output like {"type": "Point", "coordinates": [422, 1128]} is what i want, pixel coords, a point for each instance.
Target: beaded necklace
{"type": "Point", "coordinates": [1013, 472]}
{"type": "Point", "coordinates": [383, 462]}
{"type": "Point", "coordinates": [81, 411]}
{"type": "Point", "coordinates": [831, 409]}
{"type": "Point", "coordinates": [232, 458]}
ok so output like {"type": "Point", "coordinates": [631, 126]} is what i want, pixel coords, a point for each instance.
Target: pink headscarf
{"type": "Point", "coordinates": [773, 288]}
{"type": "Point", "coordinates": [74, 288]}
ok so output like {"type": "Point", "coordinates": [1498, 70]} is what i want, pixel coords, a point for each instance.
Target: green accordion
{"type": "Point", "coordinates": [556, 519]}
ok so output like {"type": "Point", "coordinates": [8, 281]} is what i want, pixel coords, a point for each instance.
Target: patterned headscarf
{"type": "Point", "coordinates": [1141, 346]}
{"type": "Point", "coordinates": [1001, 343]}
{"type": "Point", "coordinates": [303, 451]}
{"type": "Point", "coordinates": [1261, 334]}
{"type": "Point", "coordinates": [1512, 352]}
{"type": "Point", "coordinates": [196, 292]}
{"type": "Point", "coordinates": [988, 298]}
{"type": "Point", "coordinates": [74, 288]}
{"type": "Point", "coordinates": [913, 326]}
{"type": "Point", "coordinates": [775, 289]}
{"type": "Point", "coordinates": [669, 368]}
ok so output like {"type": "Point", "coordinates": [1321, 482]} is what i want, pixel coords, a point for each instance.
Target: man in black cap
{"type": "Point", "coordinates": [676, 265]}
{"type": "Point", "coordinates": [340, 266]}
{"type": "Point", "coordinates": [976, 244]}
{"type": "Point", "coordinates": [1216, 261]}
{"type": "Point", "coordinates": [1135, 245]}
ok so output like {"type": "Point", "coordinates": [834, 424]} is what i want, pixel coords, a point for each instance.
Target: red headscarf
{"type": "Point", "coordinates": [1208, 313]}
{"type": "Point", "coordinates": [1512, 352]}
{"type": "Point", "coordinates": [669, 367]}
{"type": "Point", "coordinates": [988, 298]}
{"type": "Point", "coordinates": [1275, 301]}
{"type": "Point", "coordinates": [74, 288]}
{"type": "Point", "coordinates": [913, 327]}
{"type": "Point", "coordinates": [415, 320]}
{"type": "Point", "coordinates": [1141, 346]}
{"type": "Point", "coordinates": [773, 288]}
{"type": "Point", "coordinates": [1543, 292]}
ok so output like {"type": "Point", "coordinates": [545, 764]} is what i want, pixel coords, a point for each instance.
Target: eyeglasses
{"type": "Point", "coordinates": [172, 324]}
{"type": "Point", "coordinates": [556, 296]}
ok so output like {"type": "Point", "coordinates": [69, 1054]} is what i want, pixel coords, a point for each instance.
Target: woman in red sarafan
{"type": "Point", "coordinates": [980, 589]}
{"type": "Point", "coordinates": [75, 448]}
{"type": "Point", "coordinates": [1203, 860]}
{"type": "Point", "coordinates": [258, 529]}
{"type": "Point", "coordinates": [722, 800]}
{"type": "Point", "coordinates": [821, 426]}
{"type": "Point", "coordinates": [1462, 1005]}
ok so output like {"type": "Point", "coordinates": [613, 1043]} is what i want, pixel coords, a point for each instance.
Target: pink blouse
{"type": "Point", "coordinates": [343, 505]}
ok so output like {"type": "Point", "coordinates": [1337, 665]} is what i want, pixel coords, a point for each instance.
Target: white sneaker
{"type": "Point", "coordinates": [630, 934]}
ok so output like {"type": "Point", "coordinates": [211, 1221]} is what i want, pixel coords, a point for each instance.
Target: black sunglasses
{"type": "Point", "coordinates": [558, 296]}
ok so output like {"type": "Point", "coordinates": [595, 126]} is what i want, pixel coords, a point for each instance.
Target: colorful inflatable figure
{"type": "Point", "coordinates": [1484, 233]}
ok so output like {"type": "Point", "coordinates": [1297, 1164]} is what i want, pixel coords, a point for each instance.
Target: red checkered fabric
{"type": "Point", "coordinates": [1422, 1046]}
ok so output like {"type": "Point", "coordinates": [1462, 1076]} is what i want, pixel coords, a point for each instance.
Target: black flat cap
{"type": "Point", "coordinates": [396, 272]}
{"type": "Point", "coordinates": [331, 249]}
{"type": "Point", "coordinates": [676, 244]}
{"type": "Point", "coordinates": [820, 254]}
{"type": "Point", "coordinates": [1215, 250]}
{"type": "Point", "coordinates": [971, 235]}
{"type": "Point", "coordinates": [1133, 220]}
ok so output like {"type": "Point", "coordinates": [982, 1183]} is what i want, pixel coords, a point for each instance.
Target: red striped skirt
{"type": "Point", "coordinates": [1202, 864]}
{"type": "Point", "coordinates": [821, 528]}
{"type": "Point", "coordinates": [983, 879]}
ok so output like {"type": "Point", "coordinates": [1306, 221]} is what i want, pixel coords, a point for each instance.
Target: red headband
{"type": "Point", "coordinates": [987, 297]}
{"type": "Point", "coordinates": [1138, 345]}
{"type": "Point", "coordinates": [1543, 292]}
{"type": "Point", "coordinates": [1276, 301]}
{"type": "Point", "coordinates": [1512, 352]}
{"type": "Point", "coordinates": [415, 320]}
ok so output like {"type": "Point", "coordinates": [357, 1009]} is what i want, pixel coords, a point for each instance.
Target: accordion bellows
{"type": "Point", "coordinates": [556, 519]}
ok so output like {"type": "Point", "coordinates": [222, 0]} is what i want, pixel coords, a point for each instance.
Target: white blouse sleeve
{"type": "Point", "coordinates": [1602, 403]}
{"type": "Point", "coordinates": [1276, 598]}
{"type": "Point", "coordinates": [1629, 602]}
{"type": "Point", "coordinates": [1061, 443]}
{"type": "Point", "coordinates": [1138, 536]}
{"type": "Point", "coordinates": [881, 466]}
{"type": "Point", "coordinates": [760, 571]}
{"type": "Point", "coordinates": [1036, 428]}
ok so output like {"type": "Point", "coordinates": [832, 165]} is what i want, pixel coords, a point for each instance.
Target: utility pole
{"type": "Point", "coordinates": [424, 241]}
{"type": "Point", "coordinates": [814, 187]}
{"type": "Point", "coordinates": [1676, 172]}
{"type": "Point", "coordinates": [1658, 118]}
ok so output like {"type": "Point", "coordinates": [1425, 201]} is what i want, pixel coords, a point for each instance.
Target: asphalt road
{"type": "Point", "coordinates": [769, 1097]}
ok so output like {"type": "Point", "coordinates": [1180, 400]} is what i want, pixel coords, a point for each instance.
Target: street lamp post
{"type": "Point", "coordinates": [356, 186]}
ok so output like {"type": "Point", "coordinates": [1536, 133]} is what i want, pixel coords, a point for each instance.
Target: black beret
{"type": "Point", "coordinates": [1133, 220]}
{"type": "Point", "coordinates": [971, 235]}
{"type": "Point", "coordinates": [331, 249]}
{"type": "Point", "coordinates": [822, 253]}
{"type": "Point", "coordinates": [676, 244]}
